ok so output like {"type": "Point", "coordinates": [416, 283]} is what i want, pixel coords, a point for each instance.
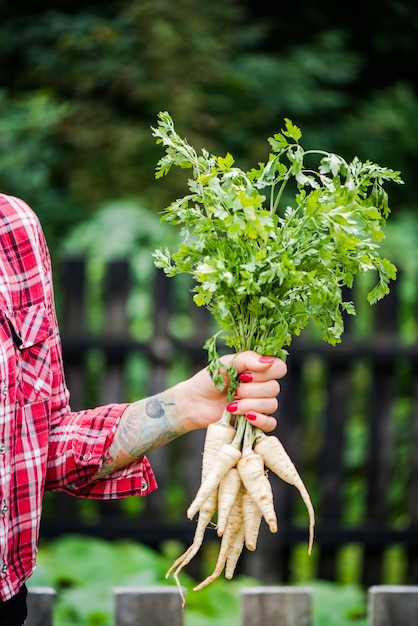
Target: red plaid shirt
{"type": "Point", "coordinates": [43, 444]}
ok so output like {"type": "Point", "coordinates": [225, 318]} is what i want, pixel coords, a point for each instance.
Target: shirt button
{"type": "Point", "coordinates": [4, 509]}
{"type": "Point", "coordinates": [5, 389]}
{"type": "Point", "coordinates": [87, 456]}
{"type": "Point", "coordinates": [2, 448]}
{"type": "Point", "coordinates": [144, 485]}
{"type": "Point", "coordinates": [3, 568]}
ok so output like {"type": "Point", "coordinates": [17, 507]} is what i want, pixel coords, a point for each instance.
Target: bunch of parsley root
{"type": "Point", "coordinates": [265, 271]}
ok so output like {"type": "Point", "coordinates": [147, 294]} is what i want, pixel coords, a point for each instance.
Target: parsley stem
{"type": "Point", "coordinates": [324, 152]}
{"type": "Point", "coordinates": [248, 438]}
{"type": "Point", "coordinates": [275, 204]}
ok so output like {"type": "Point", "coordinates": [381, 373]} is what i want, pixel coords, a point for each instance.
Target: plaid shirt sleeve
{"type": "Point", "coordinates": [77, 445]}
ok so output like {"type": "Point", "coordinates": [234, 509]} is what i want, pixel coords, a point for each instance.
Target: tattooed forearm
{"type": "Point", "coordinates": [144, 426]}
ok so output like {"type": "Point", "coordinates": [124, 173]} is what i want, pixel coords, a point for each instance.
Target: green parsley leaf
{"type": "Point", "coordinates": [265, 270]}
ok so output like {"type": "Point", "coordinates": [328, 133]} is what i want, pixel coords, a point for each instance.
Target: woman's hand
{"type": "Point", "coordinates": [198, 402]}
{"type": "Point", "coordinates": [195, 403]}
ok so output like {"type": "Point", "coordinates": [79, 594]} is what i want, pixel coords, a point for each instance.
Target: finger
{"type": "Point", "coordinates": [267, 423]}
{"type": "Point", "coordinates": [265, 389]}
{"type": "Point", "coordinates": [242, 406]}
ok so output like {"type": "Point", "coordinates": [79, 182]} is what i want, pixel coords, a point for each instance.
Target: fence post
{"type": "Point", "coordinates": [40, 606]}
{"type": "Point", "coordinates": [148, 606]}
{"type": "Point", "coordinates": [276, 606]}
{"type": "Point", "coordinates": [395, 605]}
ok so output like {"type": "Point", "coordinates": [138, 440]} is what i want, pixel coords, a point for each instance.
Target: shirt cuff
{"type": "Point", "coordinates": [77, 448]}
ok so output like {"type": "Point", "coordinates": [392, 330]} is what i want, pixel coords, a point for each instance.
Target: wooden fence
{"type": "Point", "coordinates": [348, 416]}
{"type": "Point", "coordinates": [269, 606]}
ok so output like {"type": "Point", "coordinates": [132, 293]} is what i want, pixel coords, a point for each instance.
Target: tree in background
{"type": "Point", "coordinates": [82, 82]}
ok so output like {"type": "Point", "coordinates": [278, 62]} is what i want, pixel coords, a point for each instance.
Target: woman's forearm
{"type": "Point", "coordinates": [145, 425]}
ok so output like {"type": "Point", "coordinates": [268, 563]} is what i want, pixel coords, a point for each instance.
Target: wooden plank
{"type": "Point", "coordinates": [148, 606]}
{"type": "Point", "coordinates": [161, 344]}
{"type": "Point", "coordinates": [382, 397]}
{"type": "Point", "coordinates": [393, 605]}
{"type": "Point", "coordinates": [274, 555]}
{"type": "Point", "coordinates": [117, 285]}
{"type": "Point", "coordinates": [386, 315]}
{"type": "Point", "coordinates": [332, 462]}
{"type": "Point", "coordinates": [116, 289]}
{"type": "Point", "coordinates": [73, 288]}
{"type": "Point", "coordinates": [153, 532]}
{"type": "Point", "coordinates": [73, 323]}
{"type": "Point", "coordinates": [161, 355]}
{"type": "Point", "coordinates": [412, 498]}
{"type": "Point", "coordinates": [40, 603]}
{"type": "Point", "coordinates": [276, 606]}
{"type": "Point", "coordinates": [379, 470]}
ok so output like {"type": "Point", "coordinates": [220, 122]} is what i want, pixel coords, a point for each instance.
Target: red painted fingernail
{"type": "Point", "coordinates": [231, 407]}
{"type": "Point", "coordinates": [251, 416]}
{"type": "Point", "coordinates": [266, 359]}
{"type": "Point", "coordinates": [245, 377]}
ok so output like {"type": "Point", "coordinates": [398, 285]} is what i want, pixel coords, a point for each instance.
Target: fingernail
{"type": "Point", "coordinates": [266, 359]}
{"type": "Point", "coordinates": [251, 416]}
{"type": "Point", "coordinates": [245, 377]}
{"type": "Point", "coordinates": [231, 407]}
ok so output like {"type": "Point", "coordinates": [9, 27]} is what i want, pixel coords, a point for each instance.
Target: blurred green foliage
{"type": "Point", "coordinates": [89, 78]}
{"type": "Point", "coordinates": [71, 565]}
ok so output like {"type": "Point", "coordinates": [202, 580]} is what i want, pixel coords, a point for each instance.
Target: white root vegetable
{"type": "Point", "coordinates": [227, 459]}
{"type": "Point", "coordinates": [251, 470]}
{"type": "Point", "coordinates": [275, 457]}
{"type": "Point", "coordinates": [252, 519]}
{"type": "Point", "coordinates": [232, 528]}
{"type": "Point", "coordinates": [227, 493]}
{"type": "Point", "coordinates": [234, 553]}
{"type": "Point", "coordinates": [207, 511]}
{"type": "Point", "coordinates": [217, 434]}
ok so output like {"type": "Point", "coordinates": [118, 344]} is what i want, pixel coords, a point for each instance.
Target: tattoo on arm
{"type": "Point", "coordinates": [144, 426]}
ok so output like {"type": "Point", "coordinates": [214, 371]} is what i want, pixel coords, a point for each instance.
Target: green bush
{"type": "Point", "coordinates": [84, 570]}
